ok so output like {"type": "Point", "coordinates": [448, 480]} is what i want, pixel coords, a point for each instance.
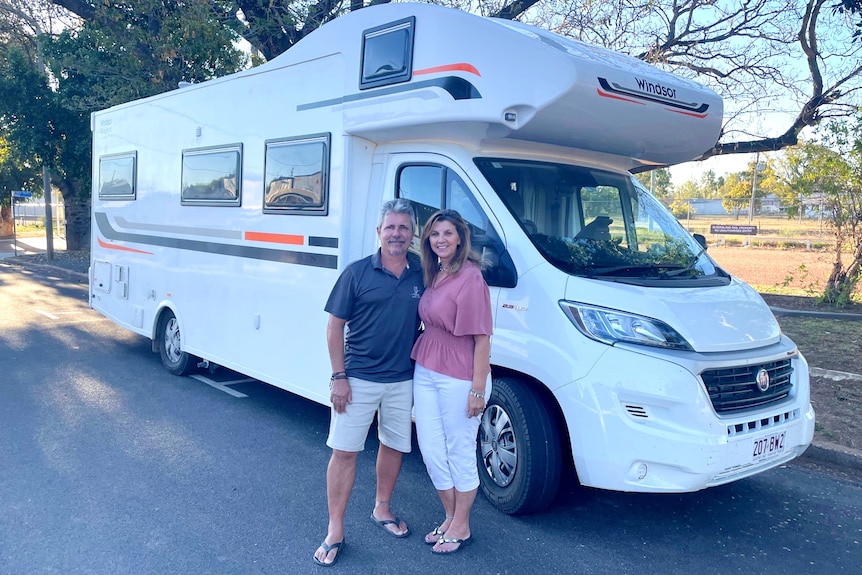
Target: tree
{"type": "Point", "coordinates": [797, 174]}
{"type": "Point", "coordinates": [51, 82]}
{"type": "Point", "coordinates": [658, 182]}
{"type": "Point", "coordinates": [736, 193]}
{"type": "Point", "coordinates": [710, 185]}
{"type": "Point", "coordinates": [838, 172]}
{"type": "Point", "coordinates": [755, 53]}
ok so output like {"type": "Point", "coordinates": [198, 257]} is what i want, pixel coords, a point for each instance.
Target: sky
{"type": "Point", "coordinates": [721, 165]}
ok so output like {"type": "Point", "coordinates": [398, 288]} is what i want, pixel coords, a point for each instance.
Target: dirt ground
{"type": "Point", "coordinates": [827, 344]}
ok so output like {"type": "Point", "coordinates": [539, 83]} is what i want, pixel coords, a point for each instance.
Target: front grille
{"type": "Point", "coordinates": [735, 388]}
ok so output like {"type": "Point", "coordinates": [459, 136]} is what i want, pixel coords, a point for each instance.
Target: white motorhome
{"type": "Point", "coordinates": [223, 213]}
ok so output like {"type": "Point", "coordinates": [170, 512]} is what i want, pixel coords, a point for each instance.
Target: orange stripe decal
{"type": "Point", "coordinates": [275, 238]}
{"type": "Point", "coordinates": [460, 67]}
{"type": "Point", "coordinates": [606, 95]}
{"type": "Point", "coordinates": [692, 114]}
{"type": "Point", "coordinates": [108, 246]}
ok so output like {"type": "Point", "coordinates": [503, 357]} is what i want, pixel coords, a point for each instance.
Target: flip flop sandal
{"type": "Point", "coordinates": [337, 546]}
{"type": "Point", "coordinates": [382, 523]}
{"type": "Point", "coordinates": [461, 544]}
{"type": "Point", "coordinates": [436, 533]}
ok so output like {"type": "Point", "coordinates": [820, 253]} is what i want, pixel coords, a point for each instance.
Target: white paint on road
{"type": "Point", "coordinates": [222, 385]}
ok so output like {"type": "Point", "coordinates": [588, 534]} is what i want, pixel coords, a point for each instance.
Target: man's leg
{"type": "Point", "coordinates": [394, 431]}
{"type": "Point", "coordinates": [340, 475]}
{"type": "Point", "coordinates": [388, 468]}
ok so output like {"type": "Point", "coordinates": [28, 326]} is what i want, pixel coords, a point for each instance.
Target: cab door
{"type": "Point", "coordinates": [433, 182]}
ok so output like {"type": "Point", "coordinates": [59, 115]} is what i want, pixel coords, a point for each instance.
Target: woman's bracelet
{"type": "Point", "coordinates": [475, 393]}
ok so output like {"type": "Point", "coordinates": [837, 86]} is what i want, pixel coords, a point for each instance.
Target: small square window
{"type": "Point", "coordinates": [296, 178]}
{"type": "Point", "coordinates": [212, 176]}
{"type": "Point", "coordinates": [117, 177]}
{"type": "Point", "coordinates": [387, 54]}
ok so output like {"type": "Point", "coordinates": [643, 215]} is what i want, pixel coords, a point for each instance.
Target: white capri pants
{"type": "Point", "coordinates": [447, 437]}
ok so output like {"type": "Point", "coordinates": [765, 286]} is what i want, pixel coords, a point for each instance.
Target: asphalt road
{"type": "Point", "coordinates": [109, 465]}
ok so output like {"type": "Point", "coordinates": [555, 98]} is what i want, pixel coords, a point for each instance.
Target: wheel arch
{"type": "Point", "coordinates": [550, 403]}
{"type": "Point", "coordinates": [162, 307]}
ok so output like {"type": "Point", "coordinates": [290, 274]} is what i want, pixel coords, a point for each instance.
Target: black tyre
{"type": "Point", "coordinates": [175, 360]}
{"type": "Point", "coordinates": [518, 450]}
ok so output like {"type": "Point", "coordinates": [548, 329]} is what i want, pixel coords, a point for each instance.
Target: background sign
{"type": "Point", "coordinates": [732, 229]}
{"type": "Point", "coordinates": [21, 194]}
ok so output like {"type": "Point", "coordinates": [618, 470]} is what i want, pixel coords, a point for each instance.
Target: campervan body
{"type": "Point", "coordinates": [224, 211]}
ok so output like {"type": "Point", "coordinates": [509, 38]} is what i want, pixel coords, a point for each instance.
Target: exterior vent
{"type": "Point", "coordinates": [636, 411]}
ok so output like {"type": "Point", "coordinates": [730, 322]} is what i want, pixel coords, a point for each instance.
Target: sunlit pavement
{"type": "Point", "coordinates": [28, 245]}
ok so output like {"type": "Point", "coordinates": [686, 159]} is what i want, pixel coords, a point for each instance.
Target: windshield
{"type": "Point", "coordinates": [593, 223]}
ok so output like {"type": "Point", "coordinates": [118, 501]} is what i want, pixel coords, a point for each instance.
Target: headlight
{"type": "Point", "coordinates": [611, 326]}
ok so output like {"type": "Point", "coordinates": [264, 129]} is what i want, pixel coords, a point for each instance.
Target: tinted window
{"type": "Point", "coordinates": [387, 54]}
{"type": "Point", "coordinates": [212, 176]}
{"type": "Point", "coordinates": [117, 177]}
{"type": "Point", "coordinates": [297, 175]}
{"type": "Point", "coordinates": [433, 187]}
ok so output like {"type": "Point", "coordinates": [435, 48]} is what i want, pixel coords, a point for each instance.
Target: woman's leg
{"type": "Point", "coordinates": [432, 442]}
{"type": "Point", "coordinates": [460, 432]}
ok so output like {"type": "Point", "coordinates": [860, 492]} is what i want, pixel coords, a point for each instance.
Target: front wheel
{"type": "Point", "coordinates": [518, 449]}
{"type": "Point", "coordinates": [175, 360]}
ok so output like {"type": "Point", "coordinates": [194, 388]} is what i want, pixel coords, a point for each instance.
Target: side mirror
{"type": "Point", "coordinates": [701, 239]}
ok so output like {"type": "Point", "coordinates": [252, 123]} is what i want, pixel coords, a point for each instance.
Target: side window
{"type": "Point", "coordinates": [297, 176]}
{"type": "Point", "coordinates": [603, 214]}
{"type": "Point", "coordinates": [434, 187]}
{"type": "Point", "coordinates": [212, 176]}
{"type": "Point", "coordinates": [118, 177]}
{"type": "Point", "coordinates": [387, 54]}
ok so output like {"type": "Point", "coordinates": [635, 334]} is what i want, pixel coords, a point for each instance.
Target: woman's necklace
{"type": "Point", "coordinates": [442, 272]}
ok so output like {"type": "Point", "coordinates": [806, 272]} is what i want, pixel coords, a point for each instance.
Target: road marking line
{"type": "Point", "coordinates": [221, 386]}
{"type": "Point", "coordinates": [46, 314]}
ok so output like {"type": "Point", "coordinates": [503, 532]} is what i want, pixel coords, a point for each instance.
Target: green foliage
{"type": "Point", "coordinates": [736, 193]}
{"type": "Point", "coordinates": [658, 182]}
{"type": "Point", "coordinates": [134, 50]}
{"type": "Point", "coordinates": [840, 181]}
{"type": "Point", "coordinates": [121, 51]}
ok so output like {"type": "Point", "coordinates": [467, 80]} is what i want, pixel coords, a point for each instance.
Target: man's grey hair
{"type": "Point", "coordinates": [398, 206]}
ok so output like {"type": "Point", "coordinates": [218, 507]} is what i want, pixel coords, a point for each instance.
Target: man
{"type": "Point", "coordinates": [377, 298]}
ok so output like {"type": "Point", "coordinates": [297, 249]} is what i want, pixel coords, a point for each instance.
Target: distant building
{"type": "Point", "coordinates": [704, 207]}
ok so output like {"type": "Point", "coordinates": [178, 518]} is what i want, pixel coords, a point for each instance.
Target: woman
{"type": "Point", "coordinates": [453, 369]}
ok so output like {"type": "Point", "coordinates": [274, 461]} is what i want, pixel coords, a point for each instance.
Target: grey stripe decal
{"type": "Point", "coordinates": [251, 252]}
{"type": "Point", "coordinates": [319, 242]}
{"type": "Point", "coordinates": [209, 232]}
{"type": "Point", "coordinates": [458, 88]}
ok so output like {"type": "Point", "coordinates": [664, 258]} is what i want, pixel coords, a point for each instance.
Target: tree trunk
{"type": "Point", "coordinates": [5, 221]}
{"type": "Point", "coordinates": [77, 223]}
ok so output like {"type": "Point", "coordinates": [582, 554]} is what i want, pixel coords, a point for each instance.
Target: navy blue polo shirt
{"type": "Point", "coordinates": [382, 313]}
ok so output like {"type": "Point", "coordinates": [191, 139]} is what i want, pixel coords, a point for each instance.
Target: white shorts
{"type": "Point", "coordinates": [393, 403]}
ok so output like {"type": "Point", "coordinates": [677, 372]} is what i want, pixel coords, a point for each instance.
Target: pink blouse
{"type": "Point", "coordinates": [453, 312]}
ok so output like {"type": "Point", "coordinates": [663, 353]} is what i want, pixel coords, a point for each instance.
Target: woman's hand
{"type": "Point", "coordinates": [475, 405]}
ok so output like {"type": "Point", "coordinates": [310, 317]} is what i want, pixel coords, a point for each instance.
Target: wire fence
{"type": "Point", "coordinates": [33, 213]}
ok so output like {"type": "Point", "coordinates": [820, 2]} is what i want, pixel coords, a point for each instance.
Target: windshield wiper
{"type": "Point", "coordinates": [657, 268]}
{"type": "Point", "coordinates": [690, 266]}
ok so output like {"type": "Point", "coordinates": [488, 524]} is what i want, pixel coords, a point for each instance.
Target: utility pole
{"type": "Point", "coordinates": [753, 187]}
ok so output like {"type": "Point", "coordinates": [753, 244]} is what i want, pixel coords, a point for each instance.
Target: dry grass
{"type": "Point", "coordinates": [792, 271]}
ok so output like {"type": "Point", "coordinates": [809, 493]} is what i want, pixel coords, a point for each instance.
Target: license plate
{"type": "Point", "coordinates": [767, 447]}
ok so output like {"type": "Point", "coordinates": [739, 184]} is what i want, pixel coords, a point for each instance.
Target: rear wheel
{"type": "Point", "coordinates": [518, 449]}
{"type": "Point", "coordinates": [175, 360]}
